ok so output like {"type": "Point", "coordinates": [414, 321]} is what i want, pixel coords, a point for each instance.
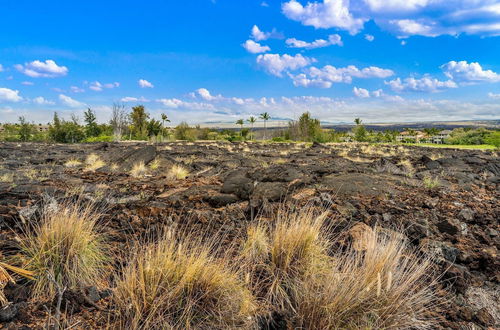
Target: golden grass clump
{"type": "Point", "coordinates": [66, 246]}
{"type": "Point", "coordinates": [7, 177]}
{"type": "Point", "coordinates": [177, 172]}
{"type": "Point", "coordinates": [180, 284]}
{"type": "Point", "coordinates": [296, 273]}
{"type": "Point", "coordinates": [280, 258]}
{"type": "Point", "coordinates": [430, 182]}
{"type": "Point", "coordinates": [93, 162]}
{"type": "Point", "coordinates": [138, 170]}
{"type": "Point", "coordinates": [386, 286]}
{"type": "Point", "coordinates": [71, 163]}
{"type": "Point", "coordinates": [155, 164]}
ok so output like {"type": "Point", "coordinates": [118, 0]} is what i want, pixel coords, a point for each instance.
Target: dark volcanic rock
{"type": "Point", "coordinates": [221, 200]}
{"type": "Point", "coordinates": [238, 183]}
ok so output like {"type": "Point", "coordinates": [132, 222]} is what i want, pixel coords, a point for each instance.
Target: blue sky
{"type": "Point", "coordinates": [221, 60]}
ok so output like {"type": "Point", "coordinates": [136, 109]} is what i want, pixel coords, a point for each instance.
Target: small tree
{"type": "Point", "coordinates": [240, 122]}
{"type": "Point", "coordinates": [25, 129]}
{"type": "Point", "coordinates": [252, 121]}
{"type": "Point", "coordinates": [360, 133]}
{"type": "Point", "coordinates": [164, 119]}
{"type": "Point", "coordinates": [118, 120]}
{"type": "Point", "coordinates": [139, 118]}
{"type": "Point", "coordinates": [265, 116]}
{"type": "Point", "coordinates": [91, 127]}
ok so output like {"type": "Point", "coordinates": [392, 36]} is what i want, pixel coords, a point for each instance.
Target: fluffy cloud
{"type": "Point", "coordinates": [424, 84]}
{"type": "Point", "coordinates": [333, 39]}
{"type": "Point", "coordinates": [145, 84]}
{"type": "Point", "coordinates": [68, 101]}
{"type": "Point", "coordinates": [259, 35]}
{"type": "Point", "coordinates": [98, 87]}
{"type": "Point", "coordinates": [327, 14]}
{"type": "Point", "coordinates": [276, 64]}
{"type": "Point", "coordinates": [9, 95]}
{"type": "Point", "coordinates": [134, 99]}
{"type": "Point", "coordinates": [254, 47]}
{"type": "Point", "coordinates": [38, 69]}
{"type": "Point", "coordinates": [401, 17]}
{"type": "Point", "coordinates": [174, 103]}
{"type": "Point", "coordinates": [494, 96]}
{"type": "Point", "coordinates": [361, 92]}
{"type": "Point", "coordinates": [469, 72]}
{"type": "Point", "coordinates": [328, 75]}
{"type": "Point", "coordinates": [42, 101]}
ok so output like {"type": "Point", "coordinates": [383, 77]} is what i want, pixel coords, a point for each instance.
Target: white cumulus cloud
{"type": "Point", "coordinates": [254, 47]}
{"type": "Point", "coordinates": [276, 64]}
{"type": "Point", "coordinates": [361, 92]}
{"type": "Point", "coordinates": [494, 96]}
{"type": "Point", "coordinates": [68, 101]}
{"type": "Point", "coordinates": [328, 75]}
{"type": "Point", "coordinates": [98, 87]}
{"type": "Point", "coordinates": [259, 35]}
{"type": "Point", "coordinates": [9, 95]}
{"type": "Point", "coordinates": [327, 14]}
{"type": "Point", "coordinates": [134, 99]}
{"type": "Point", "coordinates": [39, 69]}
{"type": "Point", "coordinates": [143, 83]}
{"type": "Point", "coordinates": [424, 84]}
{"type": "Point", "coordinates": [42, 101]}
{"type": "Point", "coordinates": [333, 39]}
{"type": "Point", "coordinates": [469, 72]}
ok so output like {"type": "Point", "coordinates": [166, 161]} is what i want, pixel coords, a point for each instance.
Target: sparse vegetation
{"type": "Point", "coordinates": [178, 283]}
{"type": "Point", "coordinates": [139, 170]}
{"type": "Point", "coordinates": [66, 246]}
{"type": "Point", "coordinates": [93, 162]}
{"type": "Point", "coordinates": [73, 163]}
{"type": "Point", "coordinates": [430, 182]}
{"type": "Point", "coordinates": [177, 172]}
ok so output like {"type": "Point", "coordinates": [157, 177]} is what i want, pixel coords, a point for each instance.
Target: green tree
{"type": "Point", "coordinates": [360, 133]}
{"type": "Point", "coordinates": [240, 122]}
{"type": "Point", "coordinates": [494, 139]}
{"type": "Point", "coordinates": [62, 131]}
{"type": "Point", "coordinates": [265, 117]}
{"type": "Point", "coordinates": [92, 129]}
{"type": "Point", "coordinates": [154, 127]}
{"type": "Point", "coordinates": [184, 132]}
{"type": "Point", "coordinates": [139, 118]}
{"type": "Point", "coordinates": [25, 129]}
{"type": "Point", "coordinates": [164, 118]}
{"type": "Point", "coordinates": [252, 121]}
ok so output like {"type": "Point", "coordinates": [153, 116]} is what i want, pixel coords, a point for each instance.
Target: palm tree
{"type": "Point", "coordinates": [252, 121]}
{"type": "Point", "coordinates": [240, 122]}
{"type": "Point", "coordinates": [357, 121]}
{"type": "Point", "coordinates": [265, 116]}
{"type": "Point", "coordinates": [164, 119]}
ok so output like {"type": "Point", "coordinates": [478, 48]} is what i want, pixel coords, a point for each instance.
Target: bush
{"type": "Point", "coordinates": [100, 138]}
{"type": "Point", "coordinates": [494, 139]}
{"type": "Point", "coordinates": [463, 136]}
{"type": "Point", "coordinates": [180, 284]}
{"type": "Point", "coordinates": [66, 245]}
{"type": "Point", "coordinates": [184, 132]}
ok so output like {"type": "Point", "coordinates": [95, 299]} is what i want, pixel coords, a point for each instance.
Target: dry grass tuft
{"type": "Point", "coordinates": [71, 163]}
{"type": "Point", "coordinates": [66, 245]}
{"type": "Point", "coordinates": [387, 286]}
{"type": "Point", "coordinates": [7, 177]}
{"type": "Point", "coordinates": [181, 285]}
{"type": "Point", "coordinates": [139, 170]}
{"type": "Point", "coordinates": [295, 274]}
{"type": "Point", "coordinates": [93, 162]}
{"type": "Point", "coordinates": [177, 172]}
{"type": "Point", "coordinates": [430, 182]}
{"type": "Point", "coordinates": [408, 168]}
{"type": "Point", "coordinates": [155, 164]}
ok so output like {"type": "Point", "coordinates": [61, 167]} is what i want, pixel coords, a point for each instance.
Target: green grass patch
{"type": "Point", "coordinates": [453, 146]}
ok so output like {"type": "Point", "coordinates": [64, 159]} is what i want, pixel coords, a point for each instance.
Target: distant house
{"type": "Point", "coordinates": [42, 128]}
{"type": "Point", "coordinates": [412, 137]}
{"type": "Point", "coordinates": [441, 136]}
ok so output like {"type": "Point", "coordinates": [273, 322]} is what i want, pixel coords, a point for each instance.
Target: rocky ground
{"type": "Point", "coordinates": [446, 200]}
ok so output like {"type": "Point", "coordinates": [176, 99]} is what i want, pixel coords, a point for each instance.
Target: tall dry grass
{"type": "Point", "coordinates": [179, 283]}
{"type": "Point", "coordinates": [64, 249]}
{"type": "Point", "coordinates": [296, 273]}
